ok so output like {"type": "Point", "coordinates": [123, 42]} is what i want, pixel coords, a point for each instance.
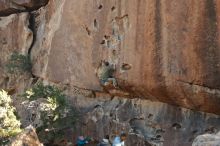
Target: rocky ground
{"type": "Point", "coordinates": [145, 122]}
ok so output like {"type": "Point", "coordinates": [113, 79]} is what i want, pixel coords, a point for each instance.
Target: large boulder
{"type": "Point", "coordinates": [207, 140]}
{"type": "Point", "coordinates": [28, 138]}
{"type": "Point", "coordinates": [162, 50]}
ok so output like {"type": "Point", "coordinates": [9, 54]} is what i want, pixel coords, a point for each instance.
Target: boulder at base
{"type": "Point", "coordinates": [28, 138]}
{"type": "Point", "coordinates": [207, 140]}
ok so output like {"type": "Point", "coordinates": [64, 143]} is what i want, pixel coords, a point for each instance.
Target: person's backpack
{"type": "Point", "coordinates": [81, 141]}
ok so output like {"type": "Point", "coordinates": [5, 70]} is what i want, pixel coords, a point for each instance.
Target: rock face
{"type": "Point", "coordinates": [207, 140]}
{"type": "Point", "coordinates": [8, 7]}
{"type": "Point", "coordinates": [145, 122]}
{"type": "Point", "coordinates": [15, 36]}
{"type": "Point", "coordinates": [31, 112]}
{"type": "Point", "coordinates": [28, 138]}
{"type": "Point", "coordinates": [15, 25]}
{"type": "Point", "coordinates": [162, 50]}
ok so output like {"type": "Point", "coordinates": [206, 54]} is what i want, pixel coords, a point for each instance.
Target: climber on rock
{"type": "Point", "coordinates": [105, 74]}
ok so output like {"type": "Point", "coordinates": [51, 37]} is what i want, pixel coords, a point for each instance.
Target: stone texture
{"type": "Point", "coordinates": [15, 36]}
{"type": "Point", "coordinates": [30, 112]}
{"type": "Point", "coordinates": [145, 122]}
{"type": "Point", "coordinates": [28, 138]}
{"type": "Point", "coordinates": [134, 140]}
{"type": "Point", "coordinates": [164, 50]}
{"type": "Point", "coordinates": [8, 7]}
{"type": "Point", "coordinates": [207, 140]}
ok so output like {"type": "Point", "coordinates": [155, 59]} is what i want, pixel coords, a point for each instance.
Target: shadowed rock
{"type": "Point", "coordinates": [8, 7]}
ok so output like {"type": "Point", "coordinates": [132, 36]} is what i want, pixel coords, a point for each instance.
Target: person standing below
{"type": "Point", "coordinates": [81, 141]}
{"type": "Point", "coordinates": [123, 138]}
{"type": "Point", "coordinates": [119, 141]}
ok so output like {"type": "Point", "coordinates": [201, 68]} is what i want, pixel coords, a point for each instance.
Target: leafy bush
{"type": "Point", "coordinates": [56, 114]}
{"type": "Point", "coordinates": [9, 125]}
{"type": "Point", "coordinates": [19, 63]}
{"type": "Point", "coordinates": [46, 91]}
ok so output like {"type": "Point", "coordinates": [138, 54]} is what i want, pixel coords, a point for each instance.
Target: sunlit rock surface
{"type": "Point", "coordinates": [207, 140]}
{"type": "Point", "coordinates": [28, 138]}
{"type": "Point", "coordinates": [162, 50]}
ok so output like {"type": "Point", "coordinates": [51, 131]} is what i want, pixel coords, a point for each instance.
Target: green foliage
{"type": "Point", "coordinates": [9, 125]}
{"type": "Point", "coordinates": [19, 63]}
{"type": "Point", "coordinates": [54, 128]}
{"type": "Point", "coordinates": [56, 114]}
{"type": "Point", "coordinates": [52, 93]}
